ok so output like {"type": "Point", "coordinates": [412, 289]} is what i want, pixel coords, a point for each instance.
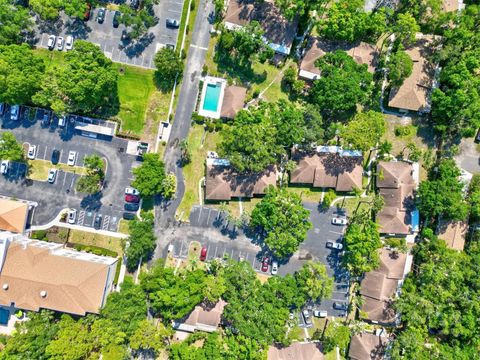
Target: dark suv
{"type": "Point", "coordinates": [98, 221]}
{"type": "Point", "coordinates": [101, 15]}
{"type": "Point", "coordinates": [131, 206]}
{"type": "Point", "coordinates": [116, 19]}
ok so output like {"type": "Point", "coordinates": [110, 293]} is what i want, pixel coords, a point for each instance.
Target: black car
{"type": "Point", "coordinates": [134, 4]}
{"type": "Point", "coordinates": [116, 19]}
{"type": "Point", "coordinates": [98, 221]}
{"type": "Point", "coordinates": [340, 306]}
{"type": "Point", "coordinates": [131, 207]}
{"type": "Point", "coordinates": [125, 35]}
{"type": "Point", "coordinates": [129, 216]}
{"type": "Point", "coordinates": [55, 156]}
{"type": "Point", "coordinates": [46, 119]}
{"type": "Point", "coordinates": [101, 15]}
{"type": "Point", "coordinates": [173, 23]}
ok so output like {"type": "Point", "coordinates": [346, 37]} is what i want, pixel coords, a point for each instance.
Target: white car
{"type": "Point", "coordinates": [72, 157]}
{"type": "Point", "coordinates": [52, 175]}
{"type": "Point", "coordinates": [320, 313]}
{"type": "Point", "coordinates": [339, 221]}
{"type": "Point", "coordinates": [69, 42]}
{"type": "Point", "coordinates": [334, 245]}
{"type": "Point", "coordinates": [72, 216]}
{"type": "Point", "coordinates": [51, 42]}
{"type": "Point", "coordinates": [132, 191]}
{"type": "Point", "coordinates": [60, 43]}
{"type": "Point", "coordinates": [15, 112]}
{"type": "Point", "coordinates": [4, 167]}
{"type": "Point", "coordinates": [32, 152]}
{"type": "Point", "coordinates": [274, 268]}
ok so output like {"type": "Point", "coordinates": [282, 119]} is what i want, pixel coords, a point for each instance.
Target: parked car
{"type": "Point", "coordinates": [274, 268]}
{"type": "Point", "coordinates": [129, 215]}
{"type": "Point", "coordinates": [88, 12]}
{"type": "Point", "coordinates": [131, 206]}
{"type": "Point", "coordinates": [72, 216]}
{"type": "Point", "coordinates": [320, 313]}
{"type": "Point", "coordinates": [125, 35]}
{"type": "Point", "coordinates": [203, 254]}
{"type": "Point", "coordinates": [307, 318]}
{"type": "Point", "coordinates": [55, 156]}
{"type": "Point", "coordinates": [172, 23]}
{"type": "Point", "coordinates": [60, 43]}
{"type": "Point", "coordinates": [69, 42]}
{"type": "Point", "coordinates": [15, 112]}
{"type": "Point", "coordinates": [265, 263]}
{"type": "Point", "coordinates": [134, 4]}
{"type": "Point", "coordinates": [334, 245]}
{"type": "Point", "coordinates": [116, 19]}
{"type": "Point", "coordinates": [340, 306]}
{"type": "Point", "coordinates": [98, 221]}
{"type": "Point", "coordinates": [52, 175]}
{"type": "Point", "coordinates": [62, 121]}
{"type": "Point", "coordinates": [46, 119]}
{"type": "Point", "coordinates": [51, 42]}
{"type": "Point", "coordinates": [4, 167]}
{"type": "Point", "coordinates": [32, 151]}
{"type": "Point", "coordinates": [72, 158]}
{"type": "Point", "coordinates": [2, 108]}
{"type": "Point", "coordinates": [339, 221]}
{"type": "Point", "coordinates": [132, 198]}
{"type": "Point", "coordinates": [132, 191]}
{"type": "Point", "coordinates": [101, 15]}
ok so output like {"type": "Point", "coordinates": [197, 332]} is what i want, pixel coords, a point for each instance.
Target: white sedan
{"type": "Point", "coordinates": [51, 42]}
{"type": "Point", "coordinates": [32, 152]}
{"type": "Point", "coordinates": [52, 175]}
{"type": "Point", "coordinates": [4, 167]}
{"type": "Point", "coordinates": [339, 221]}
{"type": "Point", "coordinates": [69, 42]}
{"type": "Point", "coordinates": [72, 157]}
{"type": "Point", "coordinates": [72, 216]}
{"type": "Point", "coordinates": [132, 191]}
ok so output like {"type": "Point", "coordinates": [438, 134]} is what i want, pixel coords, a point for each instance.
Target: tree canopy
{"type": "Point", "coordinates": [314, 281]}
{"type": "Point", "coordinates": [10, 149]}
{"type": "Point", "coordinates": [364, 131]}
{"type": "Point", "coordinates": [50, 9]}
{"type": "Point", "coordinates": [283, 220]}
{"type": "Point", "coordinates": [21, 73]}
{"type": "Point", "coordinates": [15, 21]}
{"type": "Point", "coordinates": [169, 67]}
{"type": "Point", "coordinates": [141, 242]}
{"type": "Point", "coordinates": [399, 67]}
{"type": "Point", "coordinates": [91, 182]}
{"type": "Point", "coordinates": [150, 176]}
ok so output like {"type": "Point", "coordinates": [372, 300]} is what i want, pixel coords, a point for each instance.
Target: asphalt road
{"type": "Point", "coordinates": [165, 212]}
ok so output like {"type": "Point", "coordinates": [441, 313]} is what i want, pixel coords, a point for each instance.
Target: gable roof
{"type": "Point", "coordinates": [366, 346]}
{"type": "Point", "coordinates": [413, 94]}
{"type": "Point", "coordinates": [296, 351]}
{"type": "Point", "coordinates": [13, 215]}
{"type": "Point", "coordinates": [223, 183]}
{"type": "Point", "coordinates": [394, 174]}
{"type": "Point", "coordinates": [38, 275]}
{"type": "Point", "coordinates": [453, 233]}
{"type": "Point", "coordinates": [203, 319]}
{"type": "Point", "coordinates": [277, 29]}
{"type": "Point", "coordinates": [450, 5]}
{"type": "Point", "coordinates": [233, 101]}
{"type": "Point", "coordinates": [361, 52]}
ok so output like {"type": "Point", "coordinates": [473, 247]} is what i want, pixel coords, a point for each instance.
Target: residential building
{"type": "Point", "coordinates": [367, 346]}
{"type": "Point", "coordinates": [13, 215]}
{"type": "Point", "coordinates": [223, 183]}
{"type": "Point", "coordinates": [296, 351]}
{"type": "Point", "coordinates": [396, 184]}
{"type": "Point", "coordinates": [414, 93]}
{"type": "Point", "coordinates": [233, 101]}
{"type": "Point", "coordinates": [279, 32]}
{"type": "Point", "coordinates": [38, 275]}
{"type": "Point", "coordinates": [361, 52]}
{"type": "Point", "coordinates": [452, 5]}
{"type": "Point", "coordinates": [378, 287]}
{"type": "Point", "coordinates": [453, 233]}
{"type": "Point", "coordinates": [328, 167]}
{"type": "Point", "coordinates": [202, 319]}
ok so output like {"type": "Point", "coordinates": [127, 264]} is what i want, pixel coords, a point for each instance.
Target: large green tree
{"type": "Point", "coordinates": [50, 9]}
{"type": "Point", "coordinates": [150, 175]}
{"type": "Point", "coordinates": [282, 219]}
{"type": "Point", "coordinates": [141, 242]}
{"type": "Point", "coordinates": [314, 281]}
{"type": "Point", "coordinates": [399, 67]}
{"type": "Point", "coordinates": [138, 21]}
{"type": "Point", "coordinates": [364, 131]}
{"type": "Point", "coordinates": [21, 73]}
{"type": "Point", "coordinates": [85, 83]}
{"type": "Point", "coordinates": [10, 149]}
{"type": "Point", "coordinates": [92, 181]}
{"type": "Point", "coordinates": [169, 67]}
{"type": "Point", "coordinates": [14, 20]}
{"type": "Point", "coordinates": [344, 84]}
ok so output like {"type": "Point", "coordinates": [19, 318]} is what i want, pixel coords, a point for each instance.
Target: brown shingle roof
{"type": "Point", "coordinates": [392, 264]}
{"type": "Point", "coordinates": [414, 92]}
{"type": "Point", "coordinates": [13, 215]}
{"type": "Point", "coordinates": [71, 285]}
{"type": "Point", "coordinates": [223, 183]}
{"type": "Point", "coordinates": [233, 101]}
{"type": "Point", "coordinates": [203, 318]}
{"type": "Point", "coordinates": [344, 173]}
{"type": "Point", "coordinates": [277, 29]}
{"type": "Point", "coordinates": [453, 233]}
{"type": "Point", "coordinates": [361, 52]}
{"type": "Point", "coordinates": [450, 5]}
{"type": "Point", "coordinates": [394, 174]}
{"type": "Point", "coordinates": [296, 351]}
{"type": "Point", "coordinates": [366, 346]}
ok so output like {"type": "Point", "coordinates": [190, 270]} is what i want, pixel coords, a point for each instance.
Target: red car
{"type": "Point", "coordinates": [265, 263]}
{"type": "Point", "coordinates": [86, 15]}
{"type": "Point", "coordinates": [203, 254]}
{"type": "Point", "coordinates": [132, 198]}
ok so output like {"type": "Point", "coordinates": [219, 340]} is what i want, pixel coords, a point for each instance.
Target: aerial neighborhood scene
{"type": "Point", "coordinates": [239, 179]}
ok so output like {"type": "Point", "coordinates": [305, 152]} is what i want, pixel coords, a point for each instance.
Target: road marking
{"type": "Point", "coordinates": [71, 184]}
{"type": "Point", "coordinates": [336, 232]}
{"type": "Point", "coordinates": [231, 254]}
{"type": "Point", "coordinates": [106, 222]}
{"type": "Point", "coordinates": [64, 179]}
{"type": "Point", "coordinates": [175, 11]}
{"type": "Point", "coordinates": [216, 248]}
{"type": "Point", "coordinates": [198, 47]}
{"type": "Point", "coordinates": [45, 153]}
{"type": "Point", "coordinates": [253, 264]}
{"type": "Point", "coordinates": [81, 217]}
{"type": "Point", "coordinates": [224, 250]}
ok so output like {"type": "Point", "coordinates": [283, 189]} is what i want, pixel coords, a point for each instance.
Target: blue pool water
{"type": "Point", "coordinates": [4, 315]}
{"type": "Point", "coordinates": [212, 95]}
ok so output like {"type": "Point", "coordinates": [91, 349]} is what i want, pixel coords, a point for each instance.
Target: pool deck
{"type": "Point", "coordinates": [10, 327]}
{"type": "Point", "coordinates": [207, 113]}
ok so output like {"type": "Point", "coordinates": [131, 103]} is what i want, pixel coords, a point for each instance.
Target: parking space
{"type": "Point", "coordinates": [52, 198]}
{"type": "Point", "coordinates": [138, 52]}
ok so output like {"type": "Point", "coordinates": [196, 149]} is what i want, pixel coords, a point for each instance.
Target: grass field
{"type": "Point", "coordinates": [38, 169]}
{"type": "Point", "coordinates": [309, 194]}
{"type": "Point", "coordinates": [106, 242]}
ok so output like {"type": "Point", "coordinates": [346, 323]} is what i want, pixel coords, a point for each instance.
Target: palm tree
{"type": "Point", "coordinates": [385, 148]}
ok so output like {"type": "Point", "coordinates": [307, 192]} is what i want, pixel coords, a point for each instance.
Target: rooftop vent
{"type": "Point", "coordinates": [5, 286]}
{"type": "Point", "coordinates": [43, 294]}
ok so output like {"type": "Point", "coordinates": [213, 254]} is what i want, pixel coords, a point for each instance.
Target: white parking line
{"type": "Point", "coordinates": [336, 232]}
{"type": "Point", "coordinates": [71, 184]}
{"type": "Point", "coordinates": [216, 248]}
{"type": "Point", "coordinates": [81, 217]}
{"type": "Point", "coordinates": [45, 153]}
{"type": "Point", "coordinates": [64, 179]}
{"type": "Point", "coordinates": [231, 254]}
{"type": "Point", "coordinates": [175, 11]}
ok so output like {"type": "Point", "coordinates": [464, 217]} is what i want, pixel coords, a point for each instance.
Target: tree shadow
{"type": "Point", "coordinates": [136, 48]}
{"type": "Point", "coordinates": [233, 68]}
{"type": "Point", "coordinates": [92, 202]}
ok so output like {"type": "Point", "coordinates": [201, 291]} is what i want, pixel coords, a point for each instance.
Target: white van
{"type": "Point", "coordinates": [62, 121]}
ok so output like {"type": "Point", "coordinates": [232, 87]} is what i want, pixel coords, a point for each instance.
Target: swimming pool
{"type": "Point", "coordinates": [212, 96]}
{"type": "Point", "coordinates": [4, 316]}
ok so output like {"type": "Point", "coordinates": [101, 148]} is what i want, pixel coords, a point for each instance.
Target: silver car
{"type": "Point", "coordinates": [60, 43]}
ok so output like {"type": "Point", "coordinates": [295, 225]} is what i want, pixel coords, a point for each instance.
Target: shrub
{"type": "Point", "coordinates": [39, 235]}
{"type": "Point", "coordinates": [404, 130]}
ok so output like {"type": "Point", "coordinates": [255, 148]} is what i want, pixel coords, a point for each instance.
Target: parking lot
{"type": "Point", "coordinates": [52, 198]}
{"type": "Point", "coordinates": [138, 52]}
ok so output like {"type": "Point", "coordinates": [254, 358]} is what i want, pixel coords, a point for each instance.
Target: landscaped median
{"type": "Point", "coordinates": [38, 169]}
